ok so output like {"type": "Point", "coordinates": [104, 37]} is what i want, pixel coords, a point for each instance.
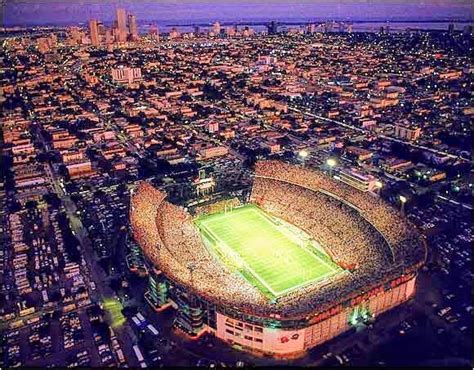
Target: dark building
{"type": "Point", "coordinates": [272, 28]}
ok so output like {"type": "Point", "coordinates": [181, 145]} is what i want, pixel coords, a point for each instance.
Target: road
{"type": "Point", "coordinates": [455, 203]}
{"type": "Point", "coordinates": [94, 273]}
{"type": "Point", "coordinates": [381, 136]}
{"type": "Point", "coordinates": [126, 141]}
{"type": "Point", "coordinates": [385, 137]}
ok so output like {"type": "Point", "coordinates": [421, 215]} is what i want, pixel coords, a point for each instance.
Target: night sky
{"type": "Point", "coordinates": [37, 12]}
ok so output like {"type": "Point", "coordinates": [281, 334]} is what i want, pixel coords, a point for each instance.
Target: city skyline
{"type": "Point", "coordinates": [60, 13]}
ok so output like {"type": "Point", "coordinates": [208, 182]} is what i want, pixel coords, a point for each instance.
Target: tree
{"type": "Point", "coordinates": [31, 204]}
{"type": "Point", "coordinates": [52, 199]}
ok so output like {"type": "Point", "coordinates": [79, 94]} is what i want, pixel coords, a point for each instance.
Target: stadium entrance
{"type": "Point", "coordinates": [360, 317]}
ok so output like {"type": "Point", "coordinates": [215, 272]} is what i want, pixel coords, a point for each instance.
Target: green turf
{"type": "Point", "coordinates": [271, 256]}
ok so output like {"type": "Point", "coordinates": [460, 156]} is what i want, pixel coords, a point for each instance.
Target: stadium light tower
{"type": "Point", "coordinates": [378, 186]}
{"type": "Point", "coordinates": [303, 154]}
{"type": "Point", "coordinates": [331, 163]}
{"type": "Point", "coordinates": [403, 200]}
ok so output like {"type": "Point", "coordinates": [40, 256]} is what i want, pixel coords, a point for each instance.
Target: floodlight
{"type": "Point", "coordinates": [303, 153]}
{"type": "Point", "coordinates": [331, 162]}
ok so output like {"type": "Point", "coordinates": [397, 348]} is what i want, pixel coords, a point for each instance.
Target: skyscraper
{"type": "Point", "coordinates": [272, 28]}
{"type": "Point", "coordinates": [94, 32]}
{"type": "Point", "coordinates": [121, 25]}
{"type": "Point", "coordinates": [155, 32]}
{"type": "Point", "coordinates": [132, 26]}
{"type": "Point", "coordinates": [109, 38]}
{"type": "Point", "coordinates": [230, 31]}
{"type": "Point", "coordinates": [101, 28]}
{"type": "Point", "coordinates": [75, 35]}
{"type": "Point", "coordinates": [216, 28]}
{"type": "Point", "coordinates": [451, 28]}
{"type": "Point", "coordinates": [174, 33]}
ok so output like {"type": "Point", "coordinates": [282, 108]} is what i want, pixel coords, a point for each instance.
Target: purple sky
{"type": "Point", "coordinates": [30, 12]}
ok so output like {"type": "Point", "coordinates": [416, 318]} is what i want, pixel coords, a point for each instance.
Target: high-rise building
{"type": "Point", "coordinates": [248, 31]}
{"type": "Point", "coordinates": [102, 29]}
{"type": "Point", "coordinates": [216, 28]}
{"type": "Point", "coordinates": [75, 35]}
{"type": "Point", "coordinates": [328, 27]}
{"type": "Point", "coordinates": [272, 28]}
{"type": "Point", "coordinates": [132, 26]}
{"type": "Point", "coordinates": [94, 32]}
{"type": "Point", "coordinates": [109, 38]}
{"type": "Point", "coordinates": [311, 28]}
{"type": "Point", "coordinates": [174, 33]}
{"type": "Point", "coordinates": [154, 32]}
{"type": "Point", "coordinates": [45, 44]}
{"type": "Point", "coordinates": [451, 28]}
{"type": "Point", "coordinates": [212, 127]}
{"type": "Point", "coordinates": [121, 25]}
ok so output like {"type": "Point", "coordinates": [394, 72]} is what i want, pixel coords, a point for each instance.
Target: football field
{"type": "Point", "coordinates": [270, 255]}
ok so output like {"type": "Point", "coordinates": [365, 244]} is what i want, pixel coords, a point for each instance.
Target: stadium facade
{"type": "Point", "coordinates": [378, 252]}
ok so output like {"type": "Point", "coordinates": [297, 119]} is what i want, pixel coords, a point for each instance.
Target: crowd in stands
{"type": "Point", "coordinates": [145, 202]}
{"type": "Point", "coordinates": [358, 231]}
{"type": "Point", "coordinates": [349, 239]}
{"type": "Point", "coordinates": [219, 206]}
{"type": "Point", "coordinates": [168, 237]}
{"type": "Point", "coordinates": [400, 235]}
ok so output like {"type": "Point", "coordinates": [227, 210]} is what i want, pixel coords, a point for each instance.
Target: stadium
{"type": "Point", "coordinates": [303, 260]}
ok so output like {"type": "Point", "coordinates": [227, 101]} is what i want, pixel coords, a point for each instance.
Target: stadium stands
{"type": "Point", "coordinates": [360, 232]}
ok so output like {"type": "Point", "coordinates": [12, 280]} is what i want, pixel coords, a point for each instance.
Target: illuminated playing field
{"type": "Point", "coordinates": [270, 254]}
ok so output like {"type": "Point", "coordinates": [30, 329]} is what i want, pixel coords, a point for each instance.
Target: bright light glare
{"type": "Point", "coordinates": [303, 154]}
{"type": "Point", "coordinates": [331, 162]}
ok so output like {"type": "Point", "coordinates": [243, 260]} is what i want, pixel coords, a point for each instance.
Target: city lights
{"type": "Point", "coordinates": [200, 184]}
{"type": "Point", "coordinates": [271, 260]}
{"type": "Point", "coordinates": [303, 154]}
{"type": "Point", "coordinates": [331, 162]}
